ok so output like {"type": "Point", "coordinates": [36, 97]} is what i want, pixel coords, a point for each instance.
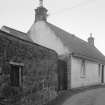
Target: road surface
{"type": "Point", "coordinates": [90, 97]}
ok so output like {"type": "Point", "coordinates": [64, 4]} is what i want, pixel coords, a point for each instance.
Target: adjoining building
{"type": "Point", "coordinates": [27, 70]}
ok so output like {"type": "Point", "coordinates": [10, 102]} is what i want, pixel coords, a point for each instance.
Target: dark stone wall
{"type": "Point", "coordinates": [39, 71]}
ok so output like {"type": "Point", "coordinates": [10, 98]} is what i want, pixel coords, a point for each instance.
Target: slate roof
{"type": "Point", "coordinates": [77, 46]}
{"type": "Point", "coordinates": [16, 33]}
{"type": "Point", "coordinates": [23, 36]}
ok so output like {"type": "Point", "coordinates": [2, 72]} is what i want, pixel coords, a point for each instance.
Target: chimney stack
{"type": "Point", "coordinates": [41, 12]}
{"type": "Point", "coordinates": [91, 40]}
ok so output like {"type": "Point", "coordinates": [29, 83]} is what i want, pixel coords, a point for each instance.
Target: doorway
{"type": "Point", "coordinates": [102, 78]}
{"type": "Point", "coordinates": [62, 75]}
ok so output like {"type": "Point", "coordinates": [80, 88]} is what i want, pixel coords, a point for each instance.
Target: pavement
{"type": "Point", "coordinates": [92, 95]}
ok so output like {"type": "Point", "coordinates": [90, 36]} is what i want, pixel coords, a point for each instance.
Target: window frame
{"type": "Point", "coordinates": [83, 69]}
{"type": "Point", "coordinates": [20, 65]}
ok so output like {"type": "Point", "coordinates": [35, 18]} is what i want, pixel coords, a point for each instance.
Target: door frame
{"type": "Point", "coordinates": [102, 74]}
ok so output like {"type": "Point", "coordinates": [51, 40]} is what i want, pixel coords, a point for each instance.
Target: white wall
{"type": "Point", "coordinates": [41, 34]}
{"type": "Point", "coordinates": [90, 78]}
{"type": "Point", "coordinates": [104, 74]}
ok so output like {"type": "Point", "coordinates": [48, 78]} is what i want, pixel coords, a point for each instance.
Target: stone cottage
{"type": "Point", "coordinates": [80, 63]}
{"type": "Point", "coordinates": [26, 69]}
{"type": "Point", "coordinates": [65, 61]}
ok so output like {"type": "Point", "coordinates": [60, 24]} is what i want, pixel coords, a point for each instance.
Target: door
{"type": "Point", "coordinates": [62, 75]}
{"type": "Point", "coordinates": [102, 78]}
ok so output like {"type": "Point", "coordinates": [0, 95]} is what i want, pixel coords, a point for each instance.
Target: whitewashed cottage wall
{"type": "Point", "coordinates": [92, 73]}
{"type": "Point", "coordinates": [90, 77]}
{"type": "Point", "coordinates": [104, 73]}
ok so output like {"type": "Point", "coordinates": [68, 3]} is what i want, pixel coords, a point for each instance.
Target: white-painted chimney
{"type": "Point", "coordinates": [41, 12]}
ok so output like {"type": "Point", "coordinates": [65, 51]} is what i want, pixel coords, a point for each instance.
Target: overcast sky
{"type": "Point", "coordinates": [80, 17]}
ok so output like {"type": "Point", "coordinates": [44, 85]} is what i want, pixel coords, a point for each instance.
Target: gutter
{"type": "Point", "coordinates": [88, 58]}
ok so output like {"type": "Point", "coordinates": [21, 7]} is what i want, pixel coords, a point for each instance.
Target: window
{"type": "Point", "coordinates": [16, 74]}
{"type": "Point", "coordinates": [99, 72]}
{"type": "Point", "coordinates": [83, 69]}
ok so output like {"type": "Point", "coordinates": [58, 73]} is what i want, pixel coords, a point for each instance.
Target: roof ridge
{"type": "Point", "coordinates": [16, 33]}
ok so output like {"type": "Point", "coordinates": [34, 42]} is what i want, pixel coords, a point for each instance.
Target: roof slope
{"type": "Point", "coordinates": [77, 46]}
{"type": "Point", "coordinates": [16, 33]}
